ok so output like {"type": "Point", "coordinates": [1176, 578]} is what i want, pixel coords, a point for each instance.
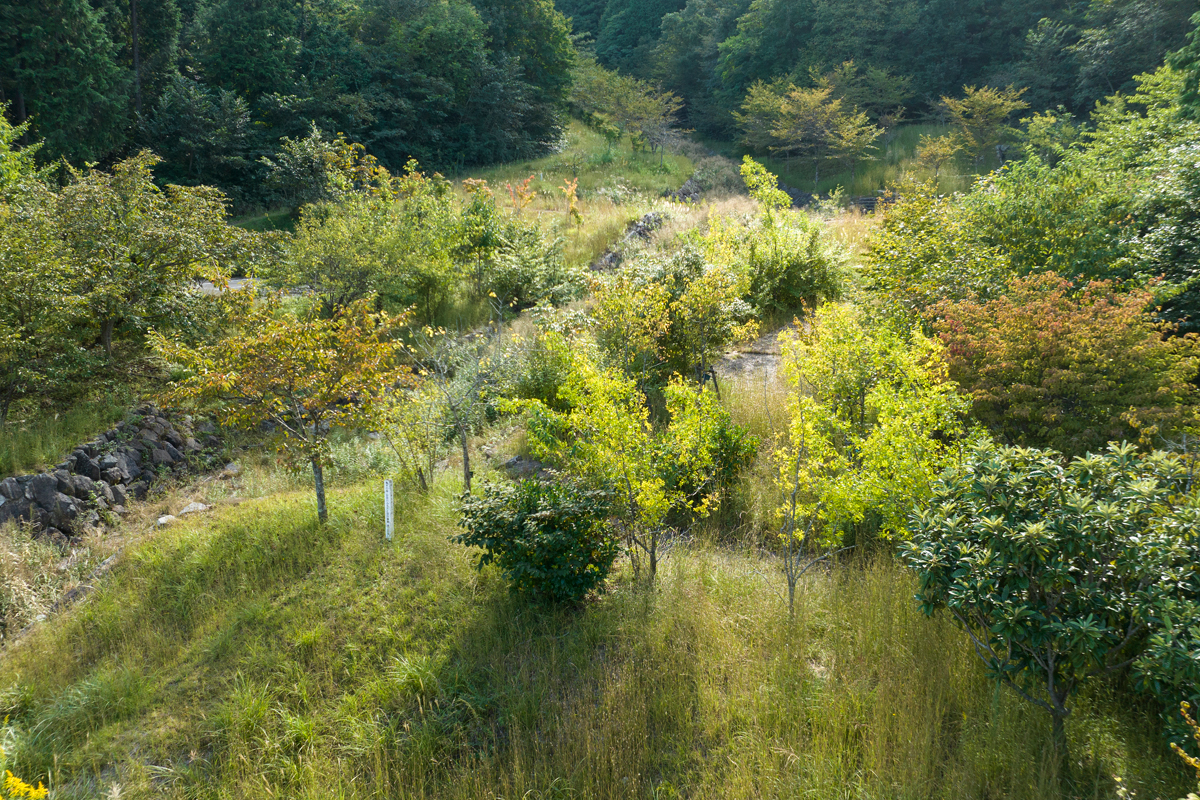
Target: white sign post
{"type": "Point", "coordinates": [389, 511]}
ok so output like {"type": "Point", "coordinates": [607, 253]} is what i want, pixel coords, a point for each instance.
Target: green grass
{"type": "Point", "coordinates": [253, 654]}
{"type": "Point", "coordinates": [280, 219]}
{"type": "Point", "coordinates": [35, 438]}
{"type": "Point", "coordinates": [895, 157]}
{"type": "Point", "coordinates": [615, 173]}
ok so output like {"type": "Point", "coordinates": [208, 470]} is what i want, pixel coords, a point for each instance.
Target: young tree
{"type": "Point", "coordinates": [1048, 364]}
{"type": "Point", "coordinates": [1057, 571]}
{"type": "Point", "coordinates": [38, 296]}
{"type": "Point", "coordinates": [852, 137]}
{"type": "Point", "coordinates": [136, 246]}
{"type": "Point", "coordinates": [872, 421]}
{"type": "Point", "coordinates": [762, 109]}
{"type": "Point", "coordinates": [982, 115]}
{"type": "Point", "coordinates": [806, 121]}
{"type": "Point", "coordinates": [934, 152]}
{"type": "Point", "coordinates": [302, 375]}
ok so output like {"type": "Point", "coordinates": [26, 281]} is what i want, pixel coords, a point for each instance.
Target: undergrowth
{"type": "Point", "coordinates": [255, 654]}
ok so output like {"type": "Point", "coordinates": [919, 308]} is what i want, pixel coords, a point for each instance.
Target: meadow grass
{"type": "Point", "coordinates": [252, 653]}
{"type": "Point", "coordinates": [35, 438]}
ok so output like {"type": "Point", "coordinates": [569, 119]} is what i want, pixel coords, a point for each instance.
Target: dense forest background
{"type": "Point", "coordinates": [213, 86]}
{"type": "Point", "coordinates": [711, 51]}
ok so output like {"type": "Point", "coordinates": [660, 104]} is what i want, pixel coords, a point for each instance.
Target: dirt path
{"type": "Point", "coordinates": [755, 359]}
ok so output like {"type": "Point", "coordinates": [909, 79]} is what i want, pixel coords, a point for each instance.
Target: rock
{"type": "Point", "coordinates": [113, 475]}
{"type": "Point", "coordinates": [161, 458]}
{"type": "Point", "coordinates": [175, 454]}
{"type": "Point", "coordinates": [193, 508]}
{"type": "Point", "coordinates": [64, 482]}
{"type": "Point", "coordinates": [191, 446]}
{"type": "Point", "coordinates": [88, 466]}
{"type": "Point", "coordinates": [173, 438]}
{"type": "Point", "coordinates": [15, 508]}
{"type": "Point", "coordinates": [109, 461]}
{"type": "Point", "coordinates": [166, 520]}
{"type": "Point", "coordinates": [519, 467]}
{"type": "Point", "coordinates": [206, 428]}
{"type": "Point", "coordinates": [128, 461]}
{"type": "Point", "coordinates": [63, 511]}
{"type": "Point", "coordinates": [119, 496]}
{"type": "Point", "coordinates": [43, 490]}
{"type": "Point", "coordinates": [103, 491]}
{"type": "Point", "coordinates": [11, 488]}
{"type": "Point", "coordinates": [139, 490]}
{"type": "Point", "coordinates": [231, 470]}
{"type": "Point", "coordinates": [83, 487]}
{"type": "Point", "coordinates": [150, 436]}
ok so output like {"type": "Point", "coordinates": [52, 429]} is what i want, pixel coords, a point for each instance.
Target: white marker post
{"type": "Point", "coordinates": [389, 510]}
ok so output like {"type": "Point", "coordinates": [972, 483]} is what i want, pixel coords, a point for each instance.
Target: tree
{"type": "Point", "coordinates": [982, 115]}
{"type": "Point", "coordinates": [877, 91]}
{"type": "Point", "coordinates": [136, 246]}
{"type": "Point", "coordinates": [1051, 365]}
{"type": "Point", "coordinates": [1057, 571]}
{"type": "Point", "coordinates": [934, 152]}
{"type": "Point", "coordinates": [872, 418]}
{"type": "Point", "coordinates": [301, 375]}
{"type": "Point", "coordinates": [38, 297]}
{"type": "Point", "coordinates": [1187, 61]}
{"type": "Point", "coordinates": [851, 138]}
{"type": "Point", "coordinates": [606, 439]}
{"type": "Point", "coordinates": [786, 259]}
{"type": "Point", "coordinates": [806, 121]}
{"type": "Point", "coordinates": [761, 114]}
{"type": "Point", "coordinates": [58, 65]}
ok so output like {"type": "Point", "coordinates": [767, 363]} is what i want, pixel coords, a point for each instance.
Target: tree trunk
{"type": "Point", "coordinates": [462, 431]}
{"type": "Point", "coordinates": [319, 483]}
{"type": "Point", "coordinates": [106, 334]}
{"type": "Point", "coordinates": [137, 62]}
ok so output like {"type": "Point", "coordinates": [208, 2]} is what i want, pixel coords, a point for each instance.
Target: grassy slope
{"type": "Point", "coordinates": [250, 654]}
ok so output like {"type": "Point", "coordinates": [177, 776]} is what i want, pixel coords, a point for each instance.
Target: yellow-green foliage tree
{"type": "Point", "coordinates": [607, 438]}
{"type": "Point", "coordinates": [137, 246]}
{"type": "Point", "coordinates": [872, 421]}
{"type": "Point", "coordinates": [982, 115]}
{"type": "Point", "coordinates": [303, 375]}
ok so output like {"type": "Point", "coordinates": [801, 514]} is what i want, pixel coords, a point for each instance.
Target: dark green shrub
{"type": "Point", "coordinates": [549, 539]}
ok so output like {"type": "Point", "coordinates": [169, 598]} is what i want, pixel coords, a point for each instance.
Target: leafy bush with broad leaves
{"type": "Point", "coordinates": [549, 539]}
{"type": "Point", "coordinates": [785, 258]}
{"type": "Point", "coordinates": [1051, 365]}
{"type": "Point", "coordinates": [1060, 572]}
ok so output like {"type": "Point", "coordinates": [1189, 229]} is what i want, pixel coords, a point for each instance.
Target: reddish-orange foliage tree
{"type": "Point", "coordinates": [1053, 365]}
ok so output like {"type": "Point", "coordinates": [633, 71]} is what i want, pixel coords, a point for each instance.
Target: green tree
{"type": "Point", "coordinates": [1057, 571]}
{"type": "Point", "coordinates": [58, 65]}
{"type": "Point", "coordinates": [761, 114]}
{"type": "Point", "coordinates": [1187, 61]}
{"type": "Point", "coordinates": [872, 420]}
{"type": "Point", "coordinates": [136, 246]}
{"type": "Point", "coordinates": [302, 375]}
{"type": "Point", "coordinates": [806, 122]}
{"type": "Point", "coordinates": [549, 539]}
{"type": "Point", "coordinates": [982, 116]}
{"type": "Point", "coordinates": [852, 137]}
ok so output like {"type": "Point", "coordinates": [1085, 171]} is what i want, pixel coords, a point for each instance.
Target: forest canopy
{"type": "Point", "coordinates": [214, 86]}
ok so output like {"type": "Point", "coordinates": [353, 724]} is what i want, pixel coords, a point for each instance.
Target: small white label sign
{"type": "Point", "coordinates": [389, 511]}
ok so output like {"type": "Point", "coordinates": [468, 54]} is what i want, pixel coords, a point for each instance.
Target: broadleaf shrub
{"type": "Point", "coordinates": [1062, 571]}
{"type": "Point", "coordinates": [1052, 366]}
{"type": "Point", "coordinates": [549, 539]}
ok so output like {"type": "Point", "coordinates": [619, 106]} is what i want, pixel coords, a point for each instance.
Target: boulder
{"type": "Point", "coordinates": [83, 487]}
{"type": "Point", "coordinates": [114, 476]}
{"type": "Point", "coordinates": [172, 437]}
{"type": "Point", "coordinates": [175, 454]}
{"type": "Point", "coordinates": [161, 458]}
{"type": "Point", "coordinates": [64, 482]}
{"type": "Point", "coordinates": [12, 489]}
{"type": "Point", "coordinates": [166, 520]}
{"type": "Point", "coordinates": [119, 496]}
{"type": "Point", "coordinates": [193, 508]}
{"type": "Point", "coordinates": [103, 491]}
{"type": "Point", "coordinates": [43, 490]}
{"type": "Point", "coordinates": [87, 466]}
{"type": "Point", "coordinates": [139, 490]}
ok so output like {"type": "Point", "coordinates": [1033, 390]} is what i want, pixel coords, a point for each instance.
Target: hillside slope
{"type": "Point", "coordinates": [250, 653]}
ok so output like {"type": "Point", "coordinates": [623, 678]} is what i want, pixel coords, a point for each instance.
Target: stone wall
{"type": "Point", "coordinates": [105, 473]}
